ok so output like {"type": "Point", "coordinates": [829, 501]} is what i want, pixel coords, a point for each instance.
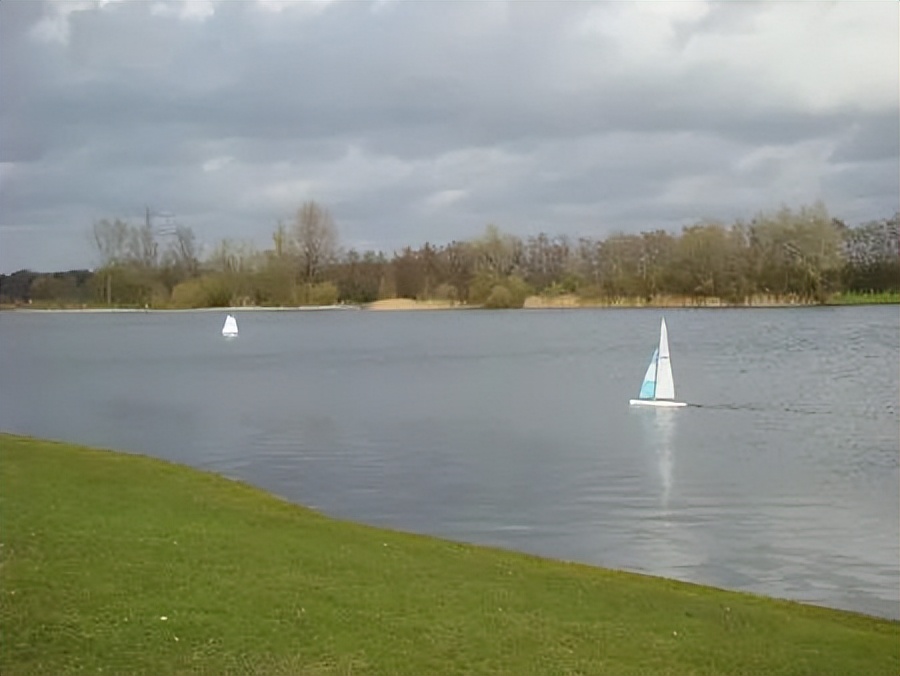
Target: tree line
{"type": "Point", "coordinates": [802, 255]}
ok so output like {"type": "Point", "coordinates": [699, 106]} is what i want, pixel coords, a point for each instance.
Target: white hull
{"type": "Point", "coordinates": [662, 403]}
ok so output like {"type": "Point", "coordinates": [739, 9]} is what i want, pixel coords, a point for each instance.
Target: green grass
{"type": "Point", "coordinates": [856, 298]}
{"type": "Point", "coordinates": [115, 563]}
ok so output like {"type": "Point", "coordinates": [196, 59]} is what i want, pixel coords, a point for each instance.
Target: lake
{"type": "Point", "coordinates": [513, 428]}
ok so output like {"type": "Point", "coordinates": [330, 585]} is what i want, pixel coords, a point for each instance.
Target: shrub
{"type": "Point", "coordinates": [324, 293]}
{"type": "Point", "coordinates": [446, 292]}
{"type": "Point", "coordinates": [500, 297]}
{"type": "Point", "coordinates": [188, 294]}
{"type": "Point", "coordinates": [519, 290]}
{"type": "Point", "coordinates": [209, 291]}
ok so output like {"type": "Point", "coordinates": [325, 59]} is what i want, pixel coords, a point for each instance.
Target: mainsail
{"type": "Point", "coordinates": [665, 385]}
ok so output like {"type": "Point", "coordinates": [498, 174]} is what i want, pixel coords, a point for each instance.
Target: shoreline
{"type": "Point", "coordinates": [407, 305]}
{"type": "Point", "coordinates": [236, 308]}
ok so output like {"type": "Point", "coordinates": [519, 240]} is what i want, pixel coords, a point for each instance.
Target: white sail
{"type": "Point", "coordinates": [230, 327]}
{"type": "Point", "coordinates": [665, 384]}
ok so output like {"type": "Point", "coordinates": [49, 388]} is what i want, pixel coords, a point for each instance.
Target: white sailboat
{"type": "Point", "coordinates": [230, 329]}
{"type": "Point", "coordinates": [658, 388]}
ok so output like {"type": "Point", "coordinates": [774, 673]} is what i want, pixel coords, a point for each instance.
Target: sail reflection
{"type": "Point", "coordinates": [671, 540]}
{"type": "Point", "coordinates": [659, 428]}
{"type": "Point", "coordinates": [665, 427]}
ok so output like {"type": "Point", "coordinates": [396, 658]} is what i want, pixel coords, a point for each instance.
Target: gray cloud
{"type": "Point", "coordinates": [426, 121]}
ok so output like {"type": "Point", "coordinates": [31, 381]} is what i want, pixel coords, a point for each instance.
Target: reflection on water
{"type": "Point", "coordinates": [657, 426]}
{"type": "Point", "coordinates": [514, 429]}
{"type": "Point", "coordinates": [663, 428]}
{"type": "Point", "coordinates": [671, 544]}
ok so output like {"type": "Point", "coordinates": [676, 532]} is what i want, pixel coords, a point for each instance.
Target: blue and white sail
{"type": "Point", "coordinates": [648, 387]}
{"type": "Point", "coordinates": [658, 388]}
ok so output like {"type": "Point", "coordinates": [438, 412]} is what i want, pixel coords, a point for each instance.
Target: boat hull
{"type": "Point", "coordinates": [659, 403]}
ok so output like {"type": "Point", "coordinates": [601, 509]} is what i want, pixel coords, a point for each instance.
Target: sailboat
{"type": "Point", "coordinates": [658, 388]}
{"type": "Point", "coordinates": [230, 329]}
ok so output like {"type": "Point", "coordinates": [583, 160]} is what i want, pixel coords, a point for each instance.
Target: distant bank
{"type": "Point", "coordinates": [564, 301]}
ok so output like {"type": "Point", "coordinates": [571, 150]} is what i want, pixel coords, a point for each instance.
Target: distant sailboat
{"type": "Point", "coordinates": [658, 388]}
{"type": "Point", "coordinates": [230, 329]}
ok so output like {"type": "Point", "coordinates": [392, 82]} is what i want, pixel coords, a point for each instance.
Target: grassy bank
{"type": "Point", "coordinates": [855, 298]}
{"type": "Point", "coordinates": [694, 302]}
{"type": "Point", "coordinates": [121, 564]}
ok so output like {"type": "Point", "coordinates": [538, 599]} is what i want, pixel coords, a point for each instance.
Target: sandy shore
{"type": "Point", "coordinates": [409, 304]}
{"type": "Point", "coordinates": [543, 302]}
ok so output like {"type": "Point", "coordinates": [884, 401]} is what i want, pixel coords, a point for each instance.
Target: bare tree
{"type": "Point", "coordinates": [797, 252]}
{"type": "Point", "coordinates": [315, 238]}
{"type": "Point", "coordinates": [496, 252]}
{"type": "Point", "coordinates": [280, 240]}
{"type": "Point", "coordinates": [872, 255]}
{"type": "Point", "coordinates": [232, 257]}
{"type": "Point", "coordinates": [546, 261]}
{"type": "Point", "coordinates": [185, 249]}
{"type": "Point", "coordinates": [143, 247]}
{"type": "Point", "coordinates": [181, 257]}
{"type": "Point", "coordinates": [119, 243]}
{"type": "Point", "coordinates": [619, 259]}
{"type": "Point", "coordinates": [112, 241]}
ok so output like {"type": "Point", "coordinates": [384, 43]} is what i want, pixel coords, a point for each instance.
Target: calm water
{"type": "Point", "coordinates": [514, 429]}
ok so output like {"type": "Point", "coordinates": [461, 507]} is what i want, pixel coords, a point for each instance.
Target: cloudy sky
{"type": "Point", "coordinates": [425, 121]}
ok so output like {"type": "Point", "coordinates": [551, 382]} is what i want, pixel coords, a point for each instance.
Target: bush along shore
{"type": "Point", "coordinates": [117, 563]}
{"type": "Point", "coordinates": [789, 256]}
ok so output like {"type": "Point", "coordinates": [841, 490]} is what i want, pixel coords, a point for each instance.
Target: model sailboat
{"type": "Point", "coordinates": [658, 388]}
{"type": "Point", "coordinates": [230, 329]}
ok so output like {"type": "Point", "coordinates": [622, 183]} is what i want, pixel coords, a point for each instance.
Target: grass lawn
{"type": "Point", "coordinates": [855, 298]}
{"type": "Point", "coordinates": [116, 563]}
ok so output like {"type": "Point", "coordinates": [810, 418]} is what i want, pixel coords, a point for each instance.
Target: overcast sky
{"type": "Point", "coordinates": [425, 121]}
